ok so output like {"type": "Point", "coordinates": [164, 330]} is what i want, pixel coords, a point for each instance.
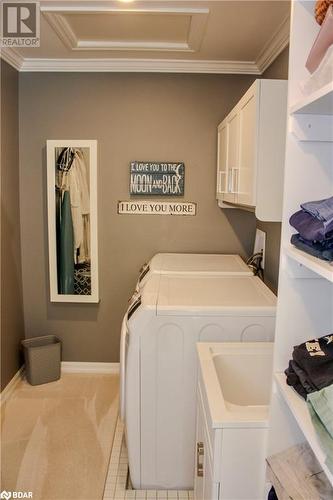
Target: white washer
{"type": "Point", "coordinates": [159, 357]}
{"type": "Point", "coordinates": [193, 263]}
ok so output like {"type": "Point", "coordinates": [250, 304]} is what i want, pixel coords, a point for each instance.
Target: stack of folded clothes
{"type": "Point", "coordinates": [311, 368]}
{"type": "Point", "coordinates": [320, 405]}
{"type": "Point", "coordinates": [310, 373]}
{"type": "Point", "coordinates": [314, 223]}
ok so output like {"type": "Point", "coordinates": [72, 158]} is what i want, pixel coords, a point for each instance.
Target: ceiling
{"type": "Point", "coordinates": [175, 36]}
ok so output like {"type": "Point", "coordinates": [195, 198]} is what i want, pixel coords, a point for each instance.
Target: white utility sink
{"type": "Point", "coordinates": [234, 387]}
{"type": "Point", "coordinates": [237, 378]}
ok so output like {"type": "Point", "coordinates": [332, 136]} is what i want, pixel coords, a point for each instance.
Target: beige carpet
{"type": "Point", "coordinates": [57, 438]}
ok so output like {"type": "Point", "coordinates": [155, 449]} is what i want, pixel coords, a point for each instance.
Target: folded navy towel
{"type": "Point", "coordinates": [321, 209]}
{"type": "Point", "coordinates": [294, 381]}
{"type": "Point", "coordinates": [310, 228]}
{"type": "Point", "coordinates": [323, 250]}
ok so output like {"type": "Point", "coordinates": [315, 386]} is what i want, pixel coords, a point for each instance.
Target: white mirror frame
{"type": "Point", "coordinates": [51, 146]}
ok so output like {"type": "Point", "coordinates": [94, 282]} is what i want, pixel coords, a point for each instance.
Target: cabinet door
{"type": "Point", "coordinates": [199, 477]}
{"type": "Point", "coordinates": [246, 175]}
{"type": "Point", "coordinates": [204, 486]}
{"type": "Point", "coordinates": [242, 467]}
{"type": "Point", "coordinates": [232, 157]}
{"type": "Point", "coordinates": [211, 488]}
{"type": "Point", "coordinates": [221, 181]}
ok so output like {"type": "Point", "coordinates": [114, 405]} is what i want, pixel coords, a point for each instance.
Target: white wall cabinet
{"type": "Point", "coordinates": [251, 149]}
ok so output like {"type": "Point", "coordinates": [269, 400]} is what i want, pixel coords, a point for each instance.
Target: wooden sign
{"type": "Point", "coordinates": [148, 207]}
{"type": "Point", "coordinates": [157, 179]}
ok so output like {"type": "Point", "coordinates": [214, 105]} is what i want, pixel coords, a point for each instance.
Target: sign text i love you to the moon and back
{"type": "Point", "coordinates": [157, 178]}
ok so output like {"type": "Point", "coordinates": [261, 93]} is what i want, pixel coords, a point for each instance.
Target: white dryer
{"type": "Point", "coordinates": [188, 263]}
{"type": "Point", "coordinates": [159, 339]}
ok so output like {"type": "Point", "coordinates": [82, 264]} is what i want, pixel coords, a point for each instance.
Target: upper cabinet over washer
{"type": "Point", "coordinates": [251, 150]}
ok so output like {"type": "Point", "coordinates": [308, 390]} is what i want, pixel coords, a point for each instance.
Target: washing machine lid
{"type": "Point", "coordinates": [187, 263]}
{"type": "Point", "coordinates": [149, 293]}
{"type": "Point", "coordinates": [211, 295]}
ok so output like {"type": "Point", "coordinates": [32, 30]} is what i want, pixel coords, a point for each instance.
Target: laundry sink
{"type": "Point", "coordinates": [237, 378]}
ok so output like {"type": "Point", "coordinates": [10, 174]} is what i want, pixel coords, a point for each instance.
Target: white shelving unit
{"type": "Point", "coordinates": [319, 102]}
{"type": "Point", "coordinates": [299, 409]}
{"type": "Point", "coordinates": [305, 303]}
{"type": "Point", "coordinates": [320, 267]}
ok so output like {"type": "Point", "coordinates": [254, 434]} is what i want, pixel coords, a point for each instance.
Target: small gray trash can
{"type": "Point", "coordinates": [42, 357]}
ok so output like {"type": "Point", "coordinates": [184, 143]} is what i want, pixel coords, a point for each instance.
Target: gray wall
{"type": "Point", "coordinates": [133, 116]}
{"type": "Point", "coordinates": [11, 280]}
{"type": "Point", "coordinates": [277, 70]}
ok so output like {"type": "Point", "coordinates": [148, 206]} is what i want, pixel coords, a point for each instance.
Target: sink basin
{"type": "Point", "coordinates": [237, 379]}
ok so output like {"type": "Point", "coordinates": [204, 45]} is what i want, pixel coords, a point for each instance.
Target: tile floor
{"type": "Point", "coordinates": [117, 485]}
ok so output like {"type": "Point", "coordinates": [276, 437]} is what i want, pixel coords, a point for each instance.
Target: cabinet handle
{"type": "Point", "coordinates": [222, 187]}
{"type": "Point", "coordinates": [200, 453]}
{"type": "Point", "coordinates": [234, 179]}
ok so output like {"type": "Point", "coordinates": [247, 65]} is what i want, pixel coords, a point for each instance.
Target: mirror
{"type": "Point", "coordinates": [72, 220]}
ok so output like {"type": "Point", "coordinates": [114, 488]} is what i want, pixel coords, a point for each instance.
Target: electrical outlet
{"type": "Point", "coordinates": [259, 245]}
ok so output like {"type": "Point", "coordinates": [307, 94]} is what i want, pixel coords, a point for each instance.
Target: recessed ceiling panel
{"type": "Point", "coordinates": [127, 26]}
{"type": "Point", "coordinates": [126, 29]}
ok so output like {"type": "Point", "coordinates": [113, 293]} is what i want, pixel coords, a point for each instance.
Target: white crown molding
{"type": "Point", "coordinates": [62, 28]}
{"type": "Point", "coordinates": [270, 52]}
{"type": "Point", "coordinates": [87, 367]}
{"type": "Point", "coordinates": [197, 30]}
{"type": "Point", "coordinates": [140, 66]}
{"type": "Point", "coordinates": [274, 46]}
{"type": "Point", "coordinates": [96, 6]}
{"type": "Point", "coordinates": [12, 57]}
{"type": "Point", "coordinates": [135, 46]}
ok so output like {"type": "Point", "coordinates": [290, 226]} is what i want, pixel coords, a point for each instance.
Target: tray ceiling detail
{"type": "Point", "coordinates": [163, 29]}
{"type": "Point", "coordinates": [162, 36]}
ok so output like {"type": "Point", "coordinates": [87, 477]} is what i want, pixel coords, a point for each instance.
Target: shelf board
{"type": "Point", "coordinates": [298, 408]}
{"type": "Point", "coordinates": [321, 267]}
{"type": "Point", "coordinates": [319, 102]}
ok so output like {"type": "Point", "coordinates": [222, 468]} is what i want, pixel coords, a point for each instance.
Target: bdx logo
{"type": "Point", "coordinates": [20, 24]}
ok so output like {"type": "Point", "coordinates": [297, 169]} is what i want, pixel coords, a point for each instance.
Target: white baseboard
{"type": "Point", "coordinates": [66, 367]}
{"type": "Point", "coordinates": [10, 387]}
{"type": "Point", "coordinates": [86, 367]}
